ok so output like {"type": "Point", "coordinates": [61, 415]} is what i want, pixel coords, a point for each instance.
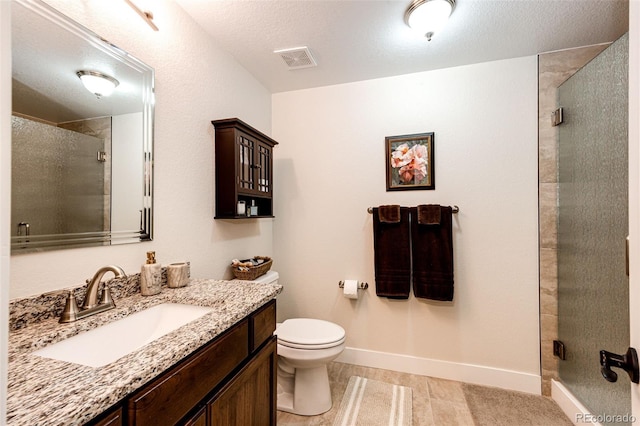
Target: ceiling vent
{"type": "Point", "coordinates": [297, 57]}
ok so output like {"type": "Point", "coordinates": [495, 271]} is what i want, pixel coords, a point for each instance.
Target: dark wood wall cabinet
{"type": "Point", "coordinates": [230, 381]}
{"type": "Point", "coordinates": [244, 170]}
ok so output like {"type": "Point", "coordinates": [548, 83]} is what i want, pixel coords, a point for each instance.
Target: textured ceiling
{"type": "Point", "coordinates": [360, 40]}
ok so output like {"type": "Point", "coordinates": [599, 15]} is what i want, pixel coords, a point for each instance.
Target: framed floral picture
{"type": "Point", "coordinates": [410, 162]}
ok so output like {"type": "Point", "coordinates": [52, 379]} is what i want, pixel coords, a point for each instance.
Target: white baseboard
{"type": "Point", "coordinates": [468, 373]}
{"type": "Point", "coordinates": [573, 408]}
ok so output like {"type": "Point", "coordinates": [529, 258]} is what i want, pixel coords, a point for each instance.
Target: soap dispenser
{"type": "Point", "coordinates": [150, 276]}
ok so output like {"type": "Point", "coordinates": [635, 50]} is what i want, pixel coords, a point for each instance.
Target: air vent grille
{"type": "Point", "coordinates": [297, 57]}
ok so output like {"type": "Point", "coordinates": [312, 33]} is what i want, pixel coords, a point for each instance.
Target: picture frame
{"type": "Point", "coordinates": [410, 162]}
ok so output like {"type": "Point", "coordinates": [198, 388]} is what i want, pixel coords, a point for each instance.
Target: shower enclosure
{"type": "Point", "coordinates": [59, 183]}
{"type": "Point", "coordinates": [593, 288]}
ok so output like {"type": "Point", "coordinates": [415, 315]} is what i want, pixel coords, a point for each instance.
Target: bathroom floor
{"type": "Point", "coordinates": [438, 402]}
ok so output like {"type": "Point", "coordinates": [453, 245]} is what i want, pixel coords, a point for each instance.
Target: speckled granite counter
{"type": "Point", "coordinates": [44, 391]}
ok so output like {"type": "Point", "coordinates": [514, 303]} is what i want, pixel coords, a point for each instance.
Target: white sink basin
{"type": "Point", "coordinates": [107, 343]}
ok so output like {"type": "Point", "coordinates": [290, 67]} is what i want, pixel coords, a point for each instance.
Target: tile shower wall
{"type": "Point", "coordinates": [553, 69]}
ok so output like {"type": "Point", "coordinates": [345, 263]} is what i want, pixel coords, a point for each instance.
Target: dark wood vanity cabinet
{"type": "Point", "coordinates": [243, 169]}
{"type": "Point", "coordinates": [110, 418]}
{"type": "Point", "coordinates": [248, 398]}
{"type": "Point", "coordinates": [230, 381]}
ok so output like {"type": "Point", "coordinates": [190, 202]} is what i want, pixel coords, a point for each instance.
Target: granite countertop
{"type": "Point", "coordinates": [46, 391]}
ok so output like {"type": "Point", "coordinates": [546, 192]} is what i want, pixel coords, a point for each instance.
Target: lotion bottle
{"type": "Point", "coordinates": [253, 208]}
{"type": "Point", "coordinates": [150, 276]}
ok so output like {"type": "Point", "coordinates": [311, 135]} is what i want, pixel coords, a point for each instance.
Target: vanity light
{"type": "Point", "coordinates": [97, 83]}
{"type": "Point", "coordinates": [147, 15]}
{"type": "Point", "coordinates": [428, 16]}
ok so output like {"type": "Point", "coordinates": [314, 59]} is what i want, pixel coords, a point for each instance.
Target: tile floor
{"type": "Point", "coordinates": [436, 402]}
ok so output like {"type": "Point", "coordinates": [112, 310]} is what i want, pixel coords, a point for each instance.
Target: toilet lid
{"type": "Point", "coordinates": [310, 333]}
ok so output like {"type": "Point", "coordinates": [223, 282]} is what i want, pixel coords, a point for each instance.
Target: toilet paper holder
{"type": "Point", "coordinates": [361, 285]}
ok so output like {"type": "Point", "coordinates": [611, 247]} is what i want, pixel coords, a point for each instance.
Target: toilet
{"type": "Point", "coordinates": [305, 347]}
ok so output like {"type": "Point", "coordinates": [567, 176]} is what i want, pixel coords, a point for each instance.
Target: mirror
{"type": "Point", "coordinates": [81, 162]}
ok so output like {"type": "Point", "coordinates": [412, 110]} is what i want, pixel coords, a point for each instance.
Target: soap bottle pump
{"type": "Point", "coordinates": [150, 276]}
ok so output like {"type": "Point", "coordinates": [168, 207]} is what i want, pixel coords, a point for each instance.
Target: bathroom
{"type": "Point", "coordinates": [487, 163]}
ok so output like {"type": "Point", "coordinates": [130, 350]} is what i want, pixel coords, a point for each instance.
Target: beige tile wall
{"type": "Point", "coordinates": [553, 69]}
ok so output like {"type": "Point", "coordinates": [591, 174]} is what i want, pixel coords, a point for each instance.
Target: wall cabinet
{"type": "Point", "coordinates": [243, 169]}
{"type": "Point", "coordinates": [230, 381]}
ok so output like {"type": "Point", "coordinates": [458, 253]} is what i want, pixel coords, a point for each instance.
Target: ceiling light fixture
{"type": "Point", "coordinates": [147, 15]}
{"type": "Point", "coordinates": [97, 83]}
{"type": "Point", "coordinates": [428, 16]}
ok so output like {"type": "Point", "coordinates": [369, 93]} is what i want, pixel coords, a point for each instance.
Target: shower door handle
{"type": "Point", "coordinates": [626, 258]}
{"type": "Point", "coordinates": [628, 362]}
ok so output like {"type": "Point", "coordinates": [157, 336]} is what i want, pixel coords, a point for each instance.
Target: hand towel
{"type": "Point", "coordinates": [429, 214]}
{"type": "Point", "coordinates": [389, 214]}
{"type": "Point", "coordinates": [432, 251]}
{"type": "Point", "coordinates": [392, 255]}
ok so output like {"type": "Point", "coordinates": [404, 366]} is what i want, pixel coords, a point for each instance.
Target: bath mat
{"type": "Point", "coordinates": [499, 407]}
{"type": "Point", "coordinates": [368, 402]}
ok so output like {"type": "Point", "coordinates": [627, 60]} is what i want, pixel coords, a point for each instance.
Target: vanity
{"type": "Point", "coordinates": [219, 369]}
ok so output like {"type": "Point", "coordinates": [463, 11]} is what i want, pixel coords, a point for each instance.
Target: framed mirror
{"type": "Point", "coordinates": [82, 159]}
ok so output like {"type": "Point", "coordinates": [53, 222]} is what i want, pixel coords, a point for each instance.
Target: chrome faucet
{"type": "Point", "coordinates": [92, 303]}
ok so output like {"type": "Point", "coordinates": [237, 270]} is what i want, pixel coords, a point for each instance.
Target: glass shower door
{"type": "Point", "coordinates": [593, 289]}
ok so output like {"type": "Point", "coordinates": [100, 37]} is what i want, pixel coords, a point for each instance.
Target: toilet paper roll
{"type": "Point", "coordinates": [350, 289]}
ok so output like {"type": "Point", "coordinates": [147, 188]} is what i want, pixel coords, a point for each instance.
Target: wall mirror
{"type": "Point", "coordinates": [82, 161]}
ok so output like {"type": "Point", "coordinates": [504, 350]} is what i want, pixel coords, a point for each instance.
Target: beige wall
{"type": "Point", "coordinates": [330, 166]}
{"type": "Point", "coordinates": [195, 83]}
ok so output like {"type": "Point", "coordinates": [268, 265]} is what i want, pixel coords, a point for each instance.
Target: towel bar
{"type": "Point", "coordinates": [454, 209]}
{"type": "Point", "coordinates": [362, 286]}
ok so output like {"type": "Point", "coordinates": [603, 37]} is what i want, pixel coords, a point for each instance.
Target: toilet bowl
{"type": "Point", "coordinates": [305, 347]}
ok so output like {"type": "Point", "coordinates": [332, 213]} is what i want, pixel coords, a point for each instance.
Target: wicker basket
{"type": "Point", "coordinates": [253, 272]}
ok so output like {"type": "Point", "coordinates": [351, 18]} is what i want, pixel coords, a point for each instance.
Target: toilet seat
{"type": "Point", "coordinates": [307, 333]}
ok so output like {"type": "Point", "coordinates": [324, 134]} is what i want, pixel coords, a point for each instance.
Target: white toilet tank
{"type": "Point", "coordinates": [271, 277]}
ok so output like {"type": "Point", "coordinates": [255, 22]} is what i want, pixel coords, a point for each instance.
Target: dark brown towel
{"type": "Point", "coordinates": [432, 250]}
{"type": "Point", "coordinates": [429, 214]}
{"type": "Point", "coordinates": [392, 255]}
{"type": "Point", "coordinates": [389, 214]}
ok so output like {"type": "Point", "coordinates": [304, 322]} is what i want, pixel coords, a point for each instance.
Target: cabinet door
{"type": "Point", "coordinates": [198, 419]}
{"type": "Point", "coordinates": [247, 147]}
{"type": "Point", "coordinates": [250, 398]}
{"type": "Point", "coordinates": [112, 419]}
{"type": "Point", "coordinates": [255, 165]}
{"type": "Point", "coordinates": [263, 168]}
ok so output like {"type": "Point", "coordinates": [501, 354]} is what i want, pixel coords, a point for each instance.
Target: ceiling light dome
{"type": "Point", "coordinates": [429, 16]}
{"type": "Point", "coordinates": [97, 83]}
